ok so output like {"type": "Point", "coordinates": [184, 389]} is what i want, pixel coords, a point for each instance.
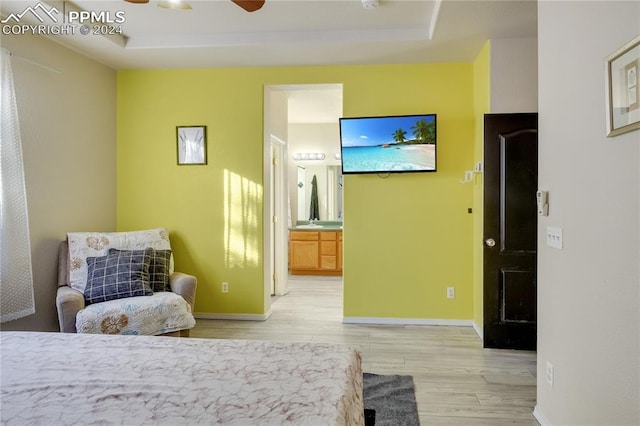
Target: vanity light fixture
{"type": "Point", "coordinates": [301, 156]}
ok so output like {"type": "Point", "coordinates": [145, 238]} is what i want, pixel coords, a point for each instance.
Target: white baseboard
{"type": "Point", "coordinates": [540, 417]}
{"type": "Point", "coordinates": [236, 317]}
{"type": "Point", "coordinates": [405, 321]}
{"type": "Point", "coordinates": [478, 330]}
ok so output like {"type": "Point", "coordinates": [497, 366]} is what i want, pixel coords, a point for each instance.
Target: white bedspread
{"type": "Point", "coordinates": [73, 379]}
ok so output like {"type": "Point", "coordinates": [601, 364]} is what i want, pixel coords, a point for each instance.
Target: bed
{"type": "Point", "coordinates": [70, 379]}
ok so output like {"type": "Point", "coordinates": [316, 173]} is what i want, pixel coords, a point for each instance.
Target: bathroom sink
{"type": "Point", "coordinates": [309, 226]}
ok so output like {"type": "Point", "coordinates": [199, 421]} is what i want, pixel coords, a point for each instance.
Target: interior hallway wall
{"type": "Point", "coordinates": [588, 292]}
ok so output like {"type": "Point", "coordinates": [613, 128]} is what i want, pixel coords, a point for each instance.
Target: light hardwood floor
{"type": "Point", "coordinates": [457, 382]}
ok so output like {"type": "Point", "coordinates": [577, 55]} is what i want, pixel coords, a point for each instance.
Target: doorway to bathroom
{"type": "Point", "coordinates": [301, 123]}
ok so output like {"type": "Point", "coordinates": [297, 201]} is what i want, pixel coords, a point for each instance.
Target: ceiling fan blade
{"type": "Point", "coordinates": [137, 1]}
{"type": "Point", "coordinates": [249, 5]}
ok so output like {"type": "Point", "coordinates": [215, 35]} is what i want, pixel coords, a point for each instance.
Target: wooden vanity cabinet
{"type": "Point", "coordinates": [303, 250]}
{"type": "Point", "coordinates": [315, 252]}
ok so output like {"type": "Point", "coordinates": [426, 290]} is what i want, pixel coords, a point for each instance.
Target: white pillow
{"type": "Point", "coordinates": [93, 244]}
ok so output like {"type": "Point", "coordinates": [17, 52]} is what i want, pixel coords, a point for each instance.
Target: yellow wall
{"type": "Point", "coordinates": [213, 212]}
{"type": "Point", "coordinates": [407, 237]}
{"type": "Point", "coordinates": [481, 106]}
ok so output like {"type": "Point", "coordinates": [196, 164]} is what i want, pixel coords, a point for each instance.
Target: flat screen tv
{"type": "Point", "coordinates": [389, 144]}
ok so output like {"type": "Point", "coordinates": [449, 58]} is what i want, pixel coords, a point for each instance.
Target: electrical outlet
{"type": "Point", "coordinates": [451, 292]}
{"type": "Point", "coordinates": [225, 287]}
{"type": "Point", "coordinates": [549, 374]}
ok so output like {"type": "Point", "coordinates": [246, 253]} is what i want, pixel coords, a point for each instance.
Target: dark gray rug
{"type": "Point", "coordinates": [393, 399]}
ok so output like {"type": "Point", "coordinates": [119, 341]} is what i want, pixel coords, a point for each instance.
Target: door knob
{"type": "Point", "coordinates": [490, 242]}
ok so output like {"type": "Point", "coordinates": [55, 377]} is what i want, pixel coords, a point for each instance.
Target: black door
{"type": "Point", "coordinates": [510, 230]}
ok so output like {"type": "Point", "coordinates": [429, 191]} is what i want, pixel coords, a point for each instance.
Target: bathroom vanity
{"type": "Point", "coordinates": [315, 251]}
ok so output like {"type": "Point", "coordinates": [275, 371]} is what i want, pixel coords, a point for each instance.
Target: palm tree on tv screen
{"type": "Point", "coordinates": [399, 136]}
{"type": "Point", "coordinates": [424, 132]}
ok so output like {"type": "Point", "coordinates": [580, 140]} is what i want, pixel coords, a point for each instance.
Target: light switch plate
{"type": "Point", "coordinates": [554, 237]}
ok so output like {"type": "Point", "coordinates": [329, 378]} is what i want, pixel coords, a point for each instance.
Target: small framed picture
{"type": "Point", "coordinates": [623, 89]}
{"type": "Point", "coordinates": [191, 144]}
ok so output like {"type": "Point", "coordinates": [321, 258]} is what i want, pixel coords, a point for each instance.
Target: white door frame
{"type": "Point", "coordinates": [276, 234]}
{"type": "Point", "coordinates": [280, 229]}
{"type": "Point", "coordinates": [275, 194]}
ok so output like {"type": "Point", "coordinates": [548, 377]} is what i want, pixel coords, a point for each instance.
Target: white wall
{"type": "Point", "coordinates": [315, 137]}
{"type": "Point", "coordinates": [68, 127]}
{"type": "Point", "coordinates": [589, 292]}
{"type": "Point", "coordinates": [514, 75]}
{"type": "Point", "coordinates": [277, 113]}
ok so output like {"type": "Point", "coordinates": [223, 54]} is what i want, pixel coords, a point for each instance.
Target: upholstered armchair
{"type": "Point", "coordinates": [122, 283]}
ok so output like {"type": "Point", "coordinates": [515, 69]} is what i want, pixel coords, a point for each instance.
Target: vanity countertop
{"type": "Point", "coordinates": [316, 228]}
{"type": "Point", "coordinates": [322, 226]}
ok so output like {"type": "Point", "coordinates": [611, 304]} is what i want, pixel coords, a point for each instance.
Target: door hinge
{"type": "Point", "coordinates": [275, 276]}
{"type": "Point", "coordinates": [275, 219]}
{"type": "Point", "coordinates": [275, 161]}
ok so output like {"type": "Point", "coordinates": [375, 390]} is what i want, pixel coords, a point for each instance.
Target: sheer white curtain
{"type": "Point", "coordinates": [16, 279]}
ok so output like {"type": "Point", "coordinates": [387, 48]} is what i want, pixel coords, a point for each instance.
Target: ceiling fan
{"type": "Point", "coordinates": [248, 5]}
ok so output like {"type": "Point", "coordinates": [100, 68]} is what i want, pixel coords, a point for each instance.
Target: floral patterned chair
{"type": "Point", "coordinates": [122, 283]}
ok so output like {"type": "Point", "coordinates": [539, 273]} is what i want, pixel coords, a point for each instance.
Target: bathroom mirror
{"type": "Point", "coordinates": [328, 190]}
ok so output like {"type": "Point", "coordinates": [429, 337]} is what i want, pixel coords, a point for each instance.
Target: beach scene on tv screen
{"type": "Point", "coordinates": [388, 144]}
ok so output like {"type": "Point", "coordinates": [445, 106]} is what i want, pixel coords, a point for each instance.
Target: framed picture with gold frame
{"type": "Point", "coordinates": [623, 89]}
{"type": "Point", "coordinates": [191, 143]}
